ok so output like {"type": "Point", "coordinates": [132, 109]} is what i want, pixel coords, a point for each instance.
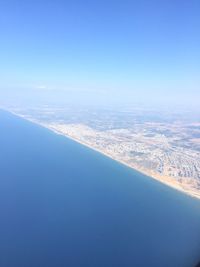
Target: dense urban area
{"type": "Point", "coordinates": [163, 145]}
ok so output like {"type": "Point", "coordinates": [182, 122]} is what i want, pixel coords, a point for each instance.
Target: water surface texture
{"type": "Point", "coordinates": [62, 204]}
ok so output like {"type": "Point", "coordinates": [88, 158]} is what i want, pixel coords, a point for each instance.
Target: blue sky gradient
{"type": "Point", "coordinates": [145, 51]}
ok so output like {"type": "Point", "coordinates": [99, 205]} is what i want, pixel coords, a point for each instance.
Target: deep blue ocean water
{"type": "Point", "coordinates": [62, 204]}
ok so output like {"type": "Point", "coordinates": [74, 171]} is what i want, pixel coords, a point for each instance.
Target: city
{"type": "Point", "coordinates": [166, 149]}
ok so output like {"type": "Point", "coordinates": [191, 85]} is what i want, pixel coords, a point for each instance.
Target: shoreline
{"type": "Point", "coordinates": [149, 176]}
{"type": "Point", "coordinates": [173, 185]}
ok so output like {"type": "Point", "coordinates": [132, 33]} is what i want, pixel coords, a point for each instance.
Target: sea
{"type": "Point", "coordinates": [65, 205]}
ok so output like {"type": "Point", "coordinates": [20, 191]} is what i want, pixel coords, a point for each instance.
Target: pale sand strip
{"type": "Point", "coordinates": [172, 184]}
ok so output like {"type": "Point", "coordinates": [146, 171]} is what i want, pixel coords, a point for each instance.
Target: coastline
{"type": "Point", "coordinates": [148, 175]}
{"type": "Point", "coordinates": [172, 184]}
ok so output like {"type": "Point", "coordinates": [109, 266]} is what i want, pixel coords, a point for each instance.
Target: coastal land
{"type": "Point", "coordinates": [168, 151]}
{"type": "Point", "coordinates": [113, 154]}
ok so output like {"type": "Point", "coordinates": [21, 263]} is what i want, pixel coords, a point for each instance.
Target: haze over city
{"type": "Point", "coordinates": [100, 133]}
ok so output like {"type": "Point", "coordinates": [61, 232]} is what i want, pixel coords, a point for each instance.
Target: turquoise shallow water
{"type": "Point", "coordinates": [62, 204]}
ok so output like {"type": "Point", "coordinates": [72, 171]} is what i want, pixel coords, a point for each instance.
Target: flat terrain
{"type": "Point", "coordinates": [165, 146]}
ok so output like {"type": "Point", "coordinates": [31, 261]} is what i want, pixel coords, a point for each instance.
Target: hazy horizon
{"type": "Point", "coordinates": [101, 53]}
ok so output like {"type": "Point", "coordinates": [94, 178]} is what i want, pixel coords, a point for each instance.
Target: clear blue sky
{"type": "Point", "coordinates": [129, 50]}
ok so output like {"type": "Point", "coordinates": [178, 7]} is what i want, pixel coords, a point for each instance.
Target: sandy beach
{"type": "Point", "coordinates": [164, 180]}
